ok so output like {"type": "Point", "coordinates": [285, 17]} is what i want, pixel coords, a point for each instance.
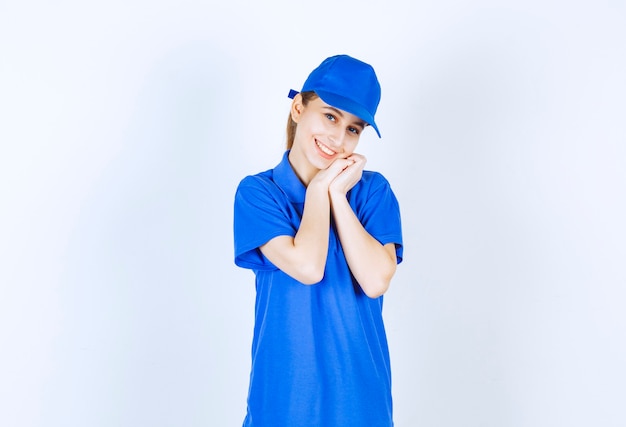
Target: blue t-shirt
{"type": "Point", "coordinates": [319, 352]}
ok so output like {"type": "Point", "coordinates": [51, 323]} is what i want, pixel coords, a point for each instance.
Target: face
{"type": "Point", "coordinates": [324, 133]}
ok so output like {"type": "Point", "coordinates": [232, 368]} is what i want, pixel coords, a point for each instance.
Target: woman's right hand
{"type": "Point", "coordinates": [326, 176]}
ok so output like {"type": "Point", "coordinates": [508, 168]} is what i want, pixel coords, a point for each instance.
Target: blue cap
{"type": "Point", "coordinates": [348, 84]}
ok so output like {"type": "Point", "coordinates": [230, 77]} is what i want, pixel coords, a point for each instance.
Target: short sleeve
{"type": "Point", "coordinates": [259, 216]}
{"type": "Point", "coordinates": [378, 210]}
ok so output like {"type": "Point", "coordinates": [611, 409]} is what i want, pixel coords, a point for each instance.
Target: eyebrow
{"type": "Point", "coordinates": [360, 123]}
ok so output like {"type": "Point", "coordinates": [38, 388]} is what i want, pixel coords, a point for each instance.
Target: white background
{"type": "Point", "coordinates": [125, 127]}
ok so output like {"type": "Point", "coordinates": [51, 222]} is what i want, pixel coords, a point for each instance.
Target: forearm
{"type": "Point", "coordinates": [303, 256]}
{"type": "Point", "coordinates": [311, 240]}
{"type": "Point", "coordinates": [372, 264]}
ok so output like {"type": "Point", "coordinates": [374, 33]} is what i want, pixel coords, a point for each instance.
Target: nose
{"type": "Point", "coordinates": [337, 139]}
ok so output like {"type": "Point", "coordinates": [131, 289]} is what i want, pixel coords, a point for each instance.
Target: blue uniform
{"type": "Point", "coordinates": [319, 352]}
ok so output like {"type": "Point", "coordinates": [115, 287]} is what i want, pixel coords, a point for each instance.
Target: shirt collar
{"type": "Point", "coordinates": [288, 181]}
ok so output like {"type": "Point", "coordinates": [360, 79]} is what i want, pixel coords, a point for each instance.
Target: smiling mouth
{"type": "Point", "coordinates": [324, 148]}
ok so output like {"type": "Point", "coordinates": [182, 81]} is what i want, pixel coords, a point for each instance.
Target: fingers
{"type": "Point", "coordinates": [341, 164]}
{"type": "Point", "coordinates": [347, 170]}
{"type": "Point", "coordinates": [332, 171]}
{"type": "Point", "coordinates": [350, 175]}
{"type": "Point", "coordinates": [356, 156]}
{"type": "Point", "coordinates": [353, 159]}
{"type": "Point", "coordinates": [357, 163]}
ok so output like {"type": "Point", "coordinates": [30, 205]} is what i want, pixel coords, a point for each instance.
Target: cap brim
{"type": "Point", "coordinates": [348, 105]}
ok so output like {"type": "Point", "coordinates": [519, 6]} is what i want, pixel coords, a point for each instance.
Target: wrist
{"type": "Point", "coordinates": [336, 195]}
{"type": "Point", "coordinates": [317, 186]}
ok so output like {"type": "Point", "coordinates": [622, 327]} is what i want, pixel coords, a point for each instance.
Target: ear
{"type": "Point", "coordinates": [297, 108]}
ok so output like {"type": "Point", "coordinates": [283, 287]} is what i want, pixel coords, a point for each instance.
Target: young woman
{"type": "Point", "coordinates": [323, 238]}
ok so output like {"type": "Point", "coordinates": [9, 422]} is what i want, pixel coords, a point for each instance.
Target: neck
{"type": "Point", "coordinates": [304, 171]}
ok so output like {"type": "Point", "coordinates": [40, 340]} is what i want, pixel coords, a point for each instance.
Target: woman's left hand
{"type": "Point", "coordinates": [349, 176]}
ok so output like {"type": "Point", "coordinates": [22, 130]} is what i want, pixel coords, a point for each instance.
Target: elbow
{"type": "Point", "coordinates": [310, 279]}
{"type": "Point", "coordinates": [375, 290]}
{"type": "Point", "coordinates": [376, 287]}
{"type": "Point", "coordinates": [310, 275]}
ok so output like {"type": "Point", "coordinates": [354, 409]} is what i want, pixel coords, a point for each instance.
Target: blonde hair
{"type": "Point", "coordinates": [291, 125]}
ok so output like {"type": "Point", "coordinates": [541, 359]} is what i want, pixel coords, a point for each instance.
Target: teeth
{"type": "Point", "coordinates": [325, 149]}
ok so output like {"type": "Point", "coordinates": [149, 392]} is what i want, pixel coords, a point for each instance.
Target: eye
{"type": "Point", "coordinates": [330, 117]}
{"type": "Point", "coordinates": [353, 130]}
